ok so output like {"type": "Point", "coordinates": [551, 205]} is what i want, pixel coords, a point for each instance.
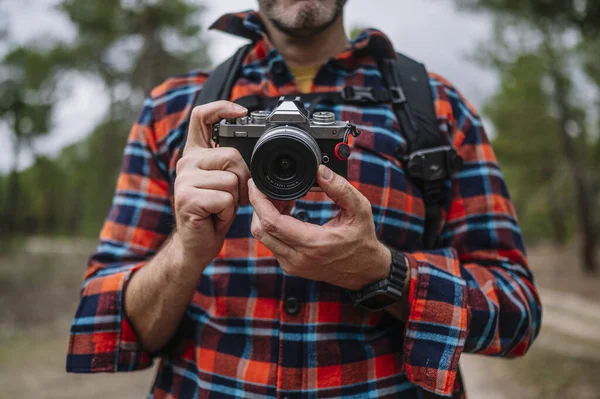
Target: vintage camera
{"type": "Point", "coordinates": [284, 148]}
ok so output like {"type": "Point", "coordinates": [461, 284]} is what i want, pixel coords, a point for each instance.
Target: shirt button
{"type": "Point", "coordinates": [292, 306]}
{"type": "Point", "coordinates": [278, 68]}
{"type": "Point", "coordinates": [302, 216]}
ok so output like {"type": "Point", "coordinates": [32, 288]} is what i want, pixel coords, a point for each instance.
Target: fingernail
{"type": "Point", "coordinates": [239, 108]}
{"type": "Point", "coordinates": [326, 172]}
{"type": "Point", "coordinates": [251, 183]}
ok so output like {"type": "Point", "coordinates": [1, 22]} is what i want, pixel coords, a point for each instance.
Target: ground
{"type": "Point", "coordinates": [39, 289]}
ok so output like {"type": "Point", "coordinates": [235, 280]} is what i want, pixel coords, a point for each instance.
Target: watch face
{"type": "Point", "coordinates": [378, 301]}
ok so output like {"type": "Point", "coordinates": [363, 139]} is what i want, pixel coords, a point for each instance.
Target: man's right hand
{"type": "Point", "coordinates": [210, 185]}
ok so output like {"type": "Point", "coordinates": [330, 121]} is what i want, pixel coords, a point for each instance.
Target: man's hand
{"type": "Point", "coordinates": [211, 183]}
{"type": "Point", "coordinates": [344, 252]}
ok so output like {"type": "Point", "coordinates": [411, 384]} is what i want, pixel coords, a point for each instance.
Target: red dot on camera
{"type": "Point", "coordinates": [342, 151]}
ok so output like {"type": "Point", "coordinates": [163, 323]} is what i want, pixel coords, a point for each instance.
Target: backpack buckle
{"type": "Point", "coordinates": [397, 95]}
{"type": "Point", "coordinates": [358, 94]}
{"type": "Point", "coordinates": [433, 164]}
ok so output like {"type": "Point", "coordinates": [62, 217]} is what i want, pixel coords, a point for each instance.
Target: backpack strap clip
{"type": "Point", "coordinates": [431, 168]}
{"type": "Point", "coordinates": [434, 163]}
{"type": "Point", "coordinates": [397, 95]}
{"type": "Point", "coordinates": [359, 94]}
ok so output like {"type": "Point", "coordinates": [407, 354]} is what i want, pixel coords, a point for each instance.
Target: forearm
{"type": "Point", "coordinates": [158, 294]}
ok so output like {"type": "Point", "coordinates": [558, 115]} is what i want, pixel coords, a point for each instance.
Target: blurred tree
{"type": "Point", "coordinates": [26, 98]}
{"type": "Point", "coordinates": [572, 124]}
{"type": "Point", "coordinates": [131, 46]}
{"type": "Point", "coordinates": [524, 32]}
{"type": "Point", "coordinates": [581, 14]}
{"type": "Point", "coordinates": [519, 110]}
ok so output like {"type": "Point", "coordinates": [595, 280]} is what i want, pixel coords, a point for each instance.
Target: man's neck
{"type": "Point", "coordinates": [312, 50]}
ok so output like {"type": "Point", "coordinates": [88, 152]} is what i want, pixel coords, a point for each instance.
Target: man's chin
{"type": "Point", "coordinates": [302, 31]}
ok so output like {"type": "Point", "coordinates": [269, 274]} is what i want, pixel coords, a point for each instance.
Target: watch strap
{"type": "Point", "coordinates": [398, 271]}
{"type": "Point", "coordinates": [391, 287]}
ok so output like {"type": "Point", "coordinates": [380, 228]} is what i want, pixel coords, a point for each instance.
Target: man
{"type": "Point", "coordinates": [256, 301]}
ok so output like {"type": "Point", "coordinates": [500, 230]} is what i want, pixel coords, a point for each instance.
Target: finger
{"type": "Point", "coordinates": [284, 207]}
{"type": "Point", "coordinates": [203, 116]}
{"type": "Point", "coordinates": [278, 247]}
{"type": "Point", "coordinates": [285, 228]}
{"type": "Point", "coordinates": [212, 180]}
{"type": "Point", "coordinates": [227, 159]}
{"type": "Point", "coordinates": [341, 191]}
{"type": "Point", "coordinates": [200, 204]}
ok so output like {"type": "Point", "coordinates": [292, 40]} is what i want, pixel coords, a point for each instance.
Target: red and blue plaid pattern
{"type": "Point", "coordinates": [474, 294]}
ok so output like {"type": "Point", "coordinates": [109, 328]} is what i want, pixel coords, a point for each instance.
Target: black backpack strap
{"type": "Point", "coordinates": [220, 82]}
{"type": "Point", "coordinates": [431, 160]}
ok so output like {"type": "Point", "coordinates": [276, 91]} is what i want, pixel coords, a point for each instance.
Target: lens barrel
{"type": "Point", "coordinates": [284, 162]}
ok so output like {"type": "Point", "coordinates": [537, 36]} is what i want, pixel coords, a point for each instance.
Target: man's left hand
{"type": "Point", "coordinates": [344, 252]}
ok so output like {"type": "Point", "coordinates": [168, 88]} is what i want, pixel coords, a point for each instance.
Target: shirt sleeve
{"type": "Point", "coordinates": [139, 221]}
{"type": "Point", "coordinates": [476, 293]}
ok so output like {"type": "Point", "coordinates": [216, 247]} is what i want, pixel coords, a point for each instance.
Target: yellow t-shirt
{"type": "Point", "coordinates": [304, 76]}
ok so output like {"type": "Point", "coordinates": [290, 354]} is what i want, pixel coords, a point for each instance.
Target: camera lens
{"type": "Point", "coordinates": [284, 162]}
{"type": "Point", "coordinates": [284, 167]}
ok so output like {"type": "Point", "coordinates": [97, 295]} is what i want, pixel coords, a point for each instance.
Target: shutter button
{"type": "Point", "coordinates": [302, 216]}
{"type": "Point", "coordinates": [292, 306]}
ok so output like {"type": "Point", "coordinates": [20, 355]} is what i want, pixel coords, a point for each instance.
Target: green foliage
{"type": "Point", "coordinates": [355, 31]}
{"type": "Point", "coordinates": [528, 147]}
{"type": "Point", "coordinates": [26, 98]}
{"type": "Point", "coordinates": [547, 138]}
{"type": "Point", "coordinates": [139, 43]}
{"type": "Point", "coordinates": [581, 14]}
{"type": "Point", "coordinates": [130, 47]}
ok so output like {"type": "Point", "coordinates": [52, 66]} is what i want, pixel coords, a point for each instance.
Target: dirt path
{"type": "Point", "coordinates": [36, 366]}
{"type": "Point", "coordinates": [570, 334]}
{"type": "Point", "coordinates": [563, 363]}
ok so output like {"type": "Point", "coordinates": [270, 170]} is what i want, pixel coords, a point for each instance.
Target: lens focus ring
{"type": "Point", "coordinates": [284, 162]}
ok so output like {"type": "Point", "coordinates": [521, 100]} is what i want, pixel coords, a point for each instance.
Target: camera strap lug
{"type": "Point", "coordinates": [350, 130]}
{"type": "Point", "coordinates": [342, 149]}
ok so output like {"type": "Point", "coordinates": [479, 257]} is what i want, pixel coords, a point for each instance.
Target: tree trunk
{"type": "Point", "coordinates": [557, 219]}
{"type": "Point", "coordinates": [584, 194]}
{"type": "Point", "coordinates": [11, 209]}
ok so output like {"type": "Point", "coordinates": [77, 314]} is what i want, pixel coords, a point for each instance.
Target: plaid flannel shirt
{"type": "Point", "coordinates": [238, 338]}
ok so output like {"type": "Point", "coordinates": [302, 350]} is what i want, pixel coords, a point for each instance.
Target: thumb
{"type": "Point", "coordinates": [340, 190]}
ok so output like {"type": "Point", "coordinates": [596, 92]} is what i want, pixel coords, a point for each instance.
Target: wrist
{"type": "Point", "coordinates": [389, 290]}
{"type": "Point", "coordinates": [380, 268]}
{"type": "Point", "coordinates": [183, 261]}
{"type": "Point", "coordinates": [383, 263]}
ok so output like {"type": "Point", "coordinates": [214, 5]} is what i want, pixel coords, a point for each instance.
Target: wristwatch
{"type": "Point", "coordinates": [388, 291]}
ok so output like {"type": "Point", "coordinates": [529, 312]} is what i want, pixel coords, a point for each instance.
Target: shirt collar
{"type": "Point", "coordinates": [248, 24]}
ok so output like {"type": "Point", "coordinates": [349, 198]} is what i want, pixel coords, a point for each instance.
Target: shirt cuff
{"type": "Point", "coordinates": [102, 339]}
{"type": "Point", "coordinates": [436, 328]}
